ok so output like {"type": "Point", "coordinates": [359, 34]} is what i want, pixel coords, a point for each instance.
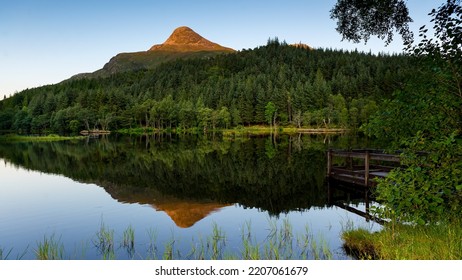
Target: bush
{"type": "Point", "coordinates": [429, 186]}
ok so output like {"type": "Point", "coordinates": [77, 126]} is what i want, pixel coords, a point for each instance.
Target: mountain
{"type": "Point", "coordinates": [183, 43]}
{"type": "Point", "coordinates": [222, 91]}
{"type": "Point", "coordinates": [184, 39]}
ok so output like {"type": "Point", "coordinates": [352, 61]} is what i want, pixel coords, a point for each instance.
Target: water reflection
{"type": "Point", "coordinates": [189, 178]}
{"type": "Point", "coordinates": [352, 198]}
{"type": "Point", "coordinates": [186, 213]}
{"type": "Point", "coordinates": [274, 176]}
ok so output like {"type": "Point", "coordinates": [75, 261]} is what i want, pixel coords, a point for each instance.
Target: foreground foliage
{"type": "Point", "coordinates": [405, 242]}
{"type": "Point", "coordinates": [422, 199]}
{"type": "Point", "coordinates": [429, 186]}
{"type": "Point", "coordinates": [425, 121]}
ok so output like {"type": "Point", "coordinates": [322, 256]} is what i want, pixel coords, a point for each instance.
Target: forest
{"type": "Point", "coordinates": [412, 102]}
{"type": "Point", "coordinates": [276, 84]}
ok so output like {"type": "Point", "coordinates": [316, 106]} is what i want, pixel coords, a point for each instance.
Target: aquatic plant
{"type": "Point", "coordinates": [6, 255]}
{"type": "Point", "coordinates": [279, 244]}
{"type": "Point", "coordinates": [152, 247]}
{"type": "Point", "coordinates": [217, 242]}
{"type": "Point", "coordinates": [50, 249]}
{"type": "Point", "coordinates": [104, 242]}
{"type": "Point", "coordinates": [128, 241]}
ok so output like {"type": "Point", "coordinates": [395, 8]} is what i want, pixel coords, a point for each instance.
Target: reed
{"type": "Point", "coordinates": [198, 249]}
{"type": "Point", "coordinates": [168, 252]}
{"type": "Point", "coordinates": [152, 249]}
{"type": "Point", "coordinates": [326, 253]}
{"type": "Point", "coordinates": [285, 242]}
{"type": "Point", "coordinates": [4, 256]}
{"type": "Point", "coordinates": [129, 237]}
{"type": "Point", "coordinates": [431, 242]}
{"type": "Point", "coordinates": [80, 250]}
{"type": "Point", "coordinates": [303, 243]}
{"type": "Point", "coordinates": [50, 249]}
{"type": "Point", "coordinates": [217, 242]}
{"type": "Point", "coordinates": [128, 241]}
{"type": "Point", "coordinates": [250, 247]}
{"type": "Point", "coordinates": [104, 242]}
{"type": "Point", "coordinates": [279, 244]}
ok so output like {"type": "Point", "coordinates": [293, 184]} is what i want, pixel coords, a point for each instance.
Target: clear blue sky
{"type": "Point", "coordinates": [46, 41]}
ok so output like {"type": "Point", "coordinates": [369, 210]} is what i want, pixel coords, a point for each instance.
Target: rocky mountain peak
{"type": "Point", "coordinates": [184, 39]}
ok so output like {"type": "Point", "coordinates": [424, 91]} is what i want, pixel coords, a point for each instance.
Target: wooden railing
{"type": "Point", "coordinates": [376, 164]}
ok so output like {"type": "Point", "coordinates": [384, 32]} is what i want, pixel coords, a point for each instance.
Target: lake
{"type": "Point", "coordinates": [175, 196]}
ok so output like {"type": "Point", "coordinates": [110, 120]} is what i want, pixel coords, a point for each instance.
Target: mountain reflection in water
{"type": "Point", "coordinates": [167, 188]}
{"type": "Point", "coordinates": [190, 177]}
{"type": "Point", "coordinates": [186, 213]}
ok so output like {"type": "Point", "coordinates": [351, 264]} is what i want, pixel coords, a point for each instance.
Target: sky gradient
{"type": "Point", "coordinates": [44, 42]}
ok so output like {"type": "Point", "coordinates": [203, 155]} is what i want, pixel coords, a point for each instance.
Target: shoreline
{"type": "Point", "coordinates": [35, 138]}
{"type": "Point", "coordinates": [232, 132]}
{"type": "Point", "coordinates": [237, 131]}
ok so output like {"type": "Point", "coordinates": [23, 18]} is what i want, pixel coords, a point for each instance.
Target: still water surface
{"type": "Point", "coordinates": [172, 191]}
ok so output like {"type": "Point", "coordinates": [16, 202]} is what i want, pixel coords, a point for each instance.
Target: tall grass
{"type": "Point", "coordinates": [4, 256]}
{"type": "Point", "coordinates": [394, 242]}
{"type": "Point", "coordinates": [152, 249]}
{"type": "Point", "coordinates": [104, 242]}
{"type": "Point", "coordinates": [168, 252]}
{"type": "Point", "coordinates": [250, 247]}
{"type": "Point", "coordinates": [216, 242]}
{"type": "Point", "coordinates": [440, 241]}
{"type": "Point", "coordinates": [280, 243]}
{"type": "Point", "coordinates": [50, 249]}
{"type": "Point", "coordinates": [128, 241]}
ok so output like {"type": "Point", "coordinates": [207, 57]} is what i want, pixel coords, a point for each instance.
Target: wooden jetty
{"type": "Point", "coordinates": [94, 132]}
{"type": "Point", "coordinates": [360, 167]}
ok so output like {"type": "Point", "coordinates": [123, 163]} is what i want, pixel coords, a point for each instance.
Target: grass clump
{"type": "Point", "coordinates": [129, 237]}
{"type": "Point", "coordinates": [50, 249]}
{"type": "Point", "coordinates": [407, 242]}
{"type": "Point", "coordinates": [128, 241]}
{"type": "Point", "coordinates": [169, 250]}
{"type": "Point", "coordinates": [282, 244]}
{"type": "Point", "coordinates": [360, 244]}
{"type": "Point", "coordinates": [250, 247]}
{"type": "Point", "coordinates": [152, 249]}
{"type": "Point", "coordinates": [217, 242]}
{"type": "Point", "coordinates": [280, 241]}
{"type": "Point", "coordinates": [104, 242]}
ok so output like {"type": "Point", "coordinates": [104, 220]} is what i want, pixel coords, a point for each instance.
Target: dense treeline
{"type": "Point", "coordinates": [275, 84]}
